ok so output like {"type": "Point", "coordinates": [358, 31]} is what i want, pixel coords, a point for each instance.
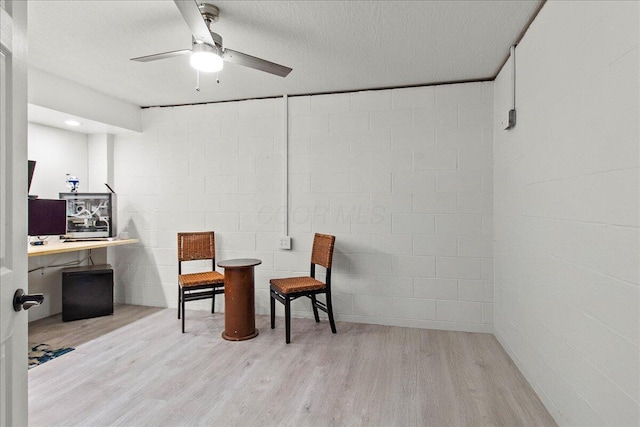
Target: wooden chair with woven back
{"type": "Point", "coordinates": [197, 246]}
{"type": "Point", "coordinates": [288, 289]}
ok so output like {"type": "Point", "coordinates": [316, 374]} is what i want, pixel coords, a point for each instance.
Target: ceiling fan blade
{"type": "Point", "coordinates": [256, 63]}
{"type": "Point", "coordinates": [192, 16]}
{"type": "Point", "coordinates": [163, 55]}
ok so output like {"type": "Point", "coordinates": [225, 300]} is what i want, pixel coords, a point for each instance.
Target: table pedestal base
{"type": "Point", "coordinates": [234, 338]}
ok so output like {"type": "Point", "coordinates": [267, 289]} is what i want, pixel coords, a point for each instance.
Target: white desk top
{"type": "Point", "coordinates": [59, 247]}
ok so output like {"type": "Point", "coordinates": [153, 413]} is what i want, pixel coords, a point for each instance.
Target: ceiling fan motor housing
{"type": "Point", "coordinates": [210, 14]}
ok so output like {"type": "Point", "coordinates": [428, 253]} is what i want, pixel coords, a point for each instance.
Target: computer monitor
{"type": "Point", "coordinates": [47, 217]}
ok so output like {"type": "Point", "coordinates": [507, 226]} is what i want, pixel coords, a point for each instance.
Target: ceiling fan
{"type": "Point", "coordinates": [207, 52]}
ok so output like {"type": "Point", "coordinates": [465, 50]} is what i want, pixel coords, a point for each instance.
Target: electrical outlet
{"type": "Point", "coordinates": [284, 242]}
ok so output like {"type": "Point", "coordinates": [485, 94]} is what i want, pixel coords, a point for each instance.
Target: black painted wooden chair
{"type": "Point", "coordinates": [291, 288]}
{"type": "Point", "coordinates": [203, 285]}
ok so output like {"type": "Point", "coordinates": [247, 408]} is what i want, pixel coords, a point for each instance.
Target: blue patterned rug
{"type": "Point", "coordinates": [40, 353]}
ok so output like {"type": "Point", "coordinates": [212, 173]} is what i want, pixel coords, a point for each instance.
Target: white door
{"type": "Point", "coordinates": [13, 207]}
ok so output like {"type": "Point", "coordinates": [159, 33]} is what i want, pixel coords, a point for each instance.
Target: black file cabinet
{"type": "Point", "coordinates": [87, 292]}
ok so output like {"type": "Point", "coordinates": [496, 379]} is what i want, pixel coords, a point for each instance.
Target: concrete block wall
{"type": "Point", "coordinates": [567, 215]}
{"type": "Point", "coordinates": [402, 177]}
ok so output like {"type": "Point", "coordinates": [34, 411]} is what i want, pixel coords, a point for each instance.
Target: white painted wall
{"type": "Point", "coordinates": [402, 177]}
{"type": "Point", "coordinates": [57, 153]}
{"type": "Point", "coordinates": [566, 212]}
{"type": "Point", "coordinates": [100, 162]}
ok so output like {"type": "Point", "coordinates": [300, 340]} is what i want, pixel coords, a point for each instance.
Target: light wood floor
{"type": "Point", "coordinates": [148, 373]}
{"type": "Point", "coordinates": [53, 331]}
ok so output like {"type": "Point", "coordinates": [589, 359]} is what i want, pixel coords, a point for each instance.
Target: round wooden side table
{"type": "Point", "coordinates": [239, 299]}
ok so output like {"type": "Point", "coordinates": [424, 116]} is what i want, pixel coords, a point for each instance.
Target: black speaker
{"type": "Point", "coordinates": [87, 292]}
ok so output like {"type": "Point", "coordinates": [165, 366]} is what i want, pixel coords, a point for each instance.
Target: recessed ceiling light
{"type": "Point", "coordinates": [72, 123]}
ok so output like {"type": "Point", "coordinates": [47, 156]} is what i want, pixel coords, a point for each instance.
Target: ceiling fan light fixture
{"type": "Point", "coordinates": [206, 58]}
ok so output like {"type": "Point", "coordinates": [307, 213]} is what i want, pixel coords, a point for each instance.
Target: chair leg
{"type": "Point", "coordinates": [213, 300]}
{"type": "Point", "coordinates": [287, 319]}
{"type": "Point", "coordinates": [315, 309]}
{"type": "Point", "coordinates": [330, 313]}
{"type": "Point", "coordinates": [273, 310]}
{"type": "Point", "coordinates": [179, 299]}
{"type": "Point", "coordinates": [184, 314]}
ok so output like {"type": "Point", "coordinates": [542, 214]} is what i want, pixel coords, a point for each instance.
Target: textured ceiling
{"type": "Point", "coordinates": [331, 45]}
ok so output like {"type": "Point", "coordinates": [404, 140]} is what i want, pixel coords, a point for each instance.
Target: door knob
{"type": "Point", "coordinates": [26, 301]}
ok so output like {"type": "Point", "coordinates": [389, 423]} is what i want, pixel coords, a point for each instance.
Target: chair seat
{"type": "Point", "coordinates": [199, 279]}
{"type": "Point", "coordinates": [292, 285]}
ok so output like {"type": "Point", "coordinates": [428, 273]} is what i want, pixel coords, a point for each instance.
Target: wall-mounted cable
{"type": "Point", "coordinates": [284, 241]}
{"type": "Point", "coordinates": [509, 122]}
